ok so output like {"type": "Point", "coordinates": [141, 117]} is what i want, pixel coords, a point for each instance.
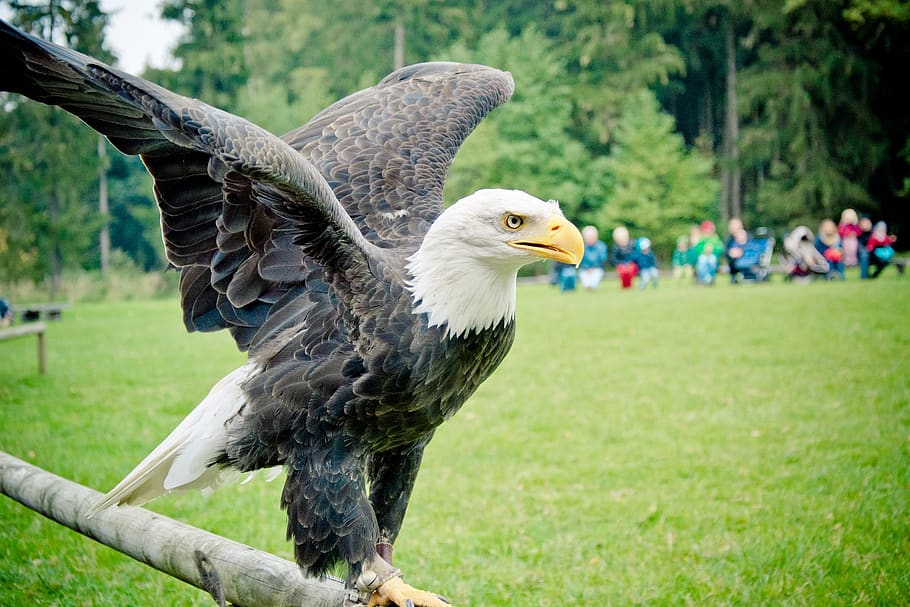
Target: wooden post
{"type": "Point", "coordinates": [104, 239]}
{"type": "Point", "coordinates": [42, 360]}
{"type": "Point", "coordinates": [239, 574]}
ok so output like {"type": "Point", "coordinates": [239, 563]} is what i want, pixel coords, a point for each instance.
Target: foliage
{"type": "Point", "coordinates": [820, 123]}
{"type": "Point", "coordinates": [212, 52]}
{"type": "Point", "coordinates": [525, 144]}
{"type": "Point", "coordinates": [809, 122]}
{"type": "Point", "coordinates": [649, 182]}
{"type": "Point", "coordinates": [48, 176]}
{"type": "Point", "coordinates": [613, 461]}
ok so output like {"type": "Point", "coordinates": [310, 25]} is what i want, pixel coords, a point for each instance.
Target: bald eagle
{"type": "Point", "coordinates": [370, 313]}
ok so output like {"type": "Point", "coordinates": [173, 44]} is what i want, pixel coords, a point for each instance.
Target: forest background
{"type": "Point", "coordinates": [652, 113]}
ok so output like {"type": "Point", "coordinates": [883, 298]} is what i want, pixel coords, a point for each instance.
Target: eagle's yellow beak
{"type": "Point", "coordinates": [559, 240]}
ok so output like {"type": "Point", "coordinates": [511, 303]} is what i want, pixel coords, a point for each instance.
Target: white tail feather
{"type": "Point", "coordinates": [182, 460]}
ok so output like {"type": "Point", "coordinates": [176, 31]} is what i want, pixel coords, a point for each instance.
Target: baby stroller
{"type": "Point", "coordinates": [754, 265]}
{"type": "Point", "coordinates": [800, 254]}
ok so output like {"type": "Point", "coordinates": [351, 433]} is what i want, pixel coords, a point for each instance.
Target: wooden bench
{"type": "Point", "coordinates": [36, 312]}
{"type": "Point", "coordinates": [34, 328]}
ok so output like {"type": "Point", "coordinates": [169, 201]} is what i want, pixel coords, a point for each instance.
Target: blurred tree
{"type": "Point", "coordinates": [650, 182]}
{"type": "Point", "coordinates": [211, 52]}
{"type": "Point", "coordinates": [802, 99]}
{"type": "Point", "coordinates": [611, 52]}
{"type": "Point", "coordinates": [49, 159]}
{"type": "Point", "coordinates": [704, 97]}
{"type": "Point", "coordinates": [810, 138]}
{"type": "Point", "coordinates": [526, 143]}
{"type": "Point", "coordinates": [135, 222]}
{"type": "Point", "coordinates": [283, 89]}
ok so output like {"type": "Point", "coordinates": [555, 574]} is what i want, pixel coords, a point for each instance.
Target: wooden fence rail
{"type": "Point", "coordinates": [228, 570]}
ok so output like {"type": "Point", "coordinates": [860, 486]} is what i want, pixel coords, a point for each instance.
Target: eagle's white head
{"type": "Point", "coordinates": [463, 275]}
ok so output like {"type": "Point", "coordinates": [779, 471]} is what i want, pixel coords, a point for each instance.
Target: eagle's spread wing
{"type": "Point", "coordinates": [241, 210]}
{"type": "Point", "coordinates": [386, 150]}
{"type": "Point", "coordinates": [251, 225]}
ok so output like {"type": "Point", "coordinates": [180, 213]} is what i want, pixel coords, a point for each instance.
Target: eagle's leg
{"type": "Point", "coordinates": [392, 474]}
{"type": "Point", "coordinates": [384, 550]}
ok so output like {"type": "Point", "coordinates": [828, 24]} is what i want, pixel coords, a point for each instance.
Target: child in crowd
{"type": "Point", "coordinates": [879, 247]}
{"type": "Point", "coordinates": [736, 250]}
{"type": "Point", "coordinates": [6, 313]}
{"type": "Point", "coordinates": [682, 267]}
{"type": "Point", "coordinates": [706, 266]}
{"type": "Point", "coordinates": [622, 256]}
{"type": "Point", "coordinates": [565, 276]}
{"type": "Point", "coordinates": [710, 243]}
{"type": "Point", "coordinates": [862, 253]}
{"type": "Point", "coordinates": [848, 229]}
{"type": "Point", "coordinates": [591, 269]}
{"type": "Point", "coordinates": [828, 243]}
{"type": "Point", "coordinates": [647, 264]}
{"type": "Point", "coordinates": [733, 250]}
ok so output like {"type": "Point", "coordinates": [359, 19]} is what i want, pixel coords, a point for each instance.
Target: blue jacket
{"type": "Point", "coordinates": [622, 254]}
{"type": "Point", "coordinates": [595, 256]}
{"type": "Point", "coordinates": [646, 261]}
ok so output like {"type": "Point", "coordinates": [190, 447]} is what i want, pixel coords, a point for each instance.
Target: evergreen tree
{"type": "Point", "coordinates": [809, 136]}
{"type": "Point", "coordinates": [525, 143]}
{"type": "Point", "coordinates": [49, 160]}
{"type": "Point", "coordinates": [211, 52]}
{"type": "Point", "coordinates": [649, 182]}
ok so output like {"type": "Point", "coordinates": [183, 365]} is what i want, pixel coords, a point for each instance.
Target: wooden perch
{"type": "Point", "coordinates": [228, 570]}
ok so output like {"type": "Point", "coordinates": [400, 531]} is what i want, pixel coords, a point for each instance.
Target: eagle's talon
{"type": "Point", "coordinates": [396, 592]}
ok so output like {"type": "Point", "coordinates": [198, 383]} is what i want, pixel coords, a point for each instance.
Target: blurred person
{"type": "Point", "coordinates": [731, 251]}
{"type": "Point", "coordinates": [622, 256]}
{"type": "Point", "coordinates": [706, 266]}
{"type": "Point", "coordinates": [709, 242]}
{"type": "Point", "coordinates": [880, 250]}
{"type": "Point", "coordinates": [734, 247]}
{"type": "Point", "coordinates": [591, 269]}
{"type": "Point", "coordinates": [827, 242]}
{"type": "Point", "coordinates": [6, 313]}
{"type": "Point", "coordinates": [647, 264]}
{"type": "Point", "coordinates": [682, 265]}
{"type": "Point", "coordinates": [565, 276]}
{"type": "Point", "coordinates": [862, 253]}
{"type": "Point", "coordinates": [848, 229]}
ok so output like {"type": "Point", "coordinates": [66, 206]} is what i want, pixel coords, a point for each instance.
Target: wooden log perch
{"type": "Point", "coordinates": [241, 575]}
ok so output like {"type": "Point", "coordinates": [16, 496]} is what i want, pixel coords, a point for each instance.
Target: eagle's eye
{"type": "Point", "coordinates": [513, 222]}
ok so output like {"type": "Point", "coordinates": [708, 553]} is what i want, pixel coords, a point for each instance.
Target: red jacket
{"type": "Point", "coordinates": [848, 229]}
{"type": "Point", "coordinates": [876, 242]}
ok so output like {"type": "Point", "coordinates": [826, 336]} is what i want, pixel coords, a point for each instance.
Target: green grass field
{"type": "Point", "coordinates": [684, 446]}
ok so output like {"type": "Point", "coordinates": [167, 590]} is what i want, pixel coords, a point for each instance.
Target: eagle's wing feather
{"type": "Point", "coordinates": [386, 150]}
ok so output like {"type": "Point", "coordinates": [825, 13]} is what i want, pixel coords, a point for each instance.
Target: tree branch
{"type": "Point", "coordinates": [246, 576]}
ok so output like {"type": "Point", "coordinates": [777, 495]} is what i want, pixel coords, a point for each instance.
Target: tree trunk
{"type": "Point", "coordinates": [731, 176]}
{"type": "Point", "coordinates": [399, 40]}
{"type": "Point", "coordinates": [53, 208]}
{"type": "Point", "coordinates": [103, 210]}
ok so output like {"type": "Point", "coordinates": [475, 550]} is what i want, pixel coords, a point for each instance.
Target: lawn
{"type": "Point", "coordinates": [679, 446]}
